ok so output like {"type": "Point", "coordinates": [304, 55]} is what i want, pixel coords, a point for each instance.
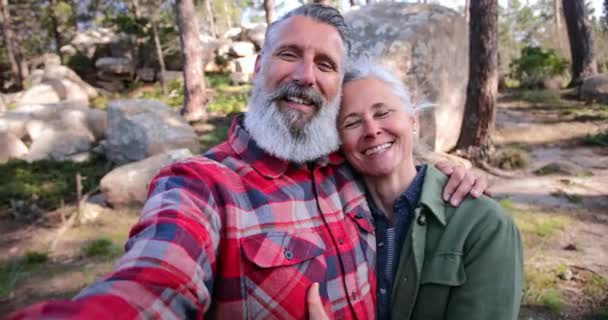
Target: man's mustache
{"type": "Point", "coordinates": [292, 89]}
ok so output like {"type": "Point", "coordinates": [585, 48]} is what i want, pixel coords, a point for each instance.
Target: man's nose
{"type": "Point", "coordinates": [304, 74]}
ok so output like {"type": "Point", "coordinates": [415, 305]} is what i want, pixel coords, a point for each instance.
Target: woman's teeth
{"type": "Point", "coordinates": [377, 149]}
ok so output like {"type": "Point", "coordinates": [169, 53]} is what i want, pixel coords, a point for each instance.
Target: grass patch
{"type": "Point", "coordinates": [13, 271]}
{"type": "Point", "coordinates": [535, 223]}
{"type": "Point", "coordinates": [599, 139]}
{"type": "Point", "coordinates": [511, 159]}
{"type": "Point", "coordinates": [539, 97]}
{"type": "Point", "coordinates": [46, 184]}
{"type": "Point", "coordinates": [101, 247]}
{"type": "Point", "coordinates": [541, 289]}
{"type": "Point", "coordinates": [597, 287]}
{"type": "Point", "coordinates": [228, 103]}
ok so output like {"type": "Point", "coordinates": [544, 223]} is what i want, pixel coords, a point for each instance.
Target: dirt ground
{"type": "Point", "coordinates": [564, 216]}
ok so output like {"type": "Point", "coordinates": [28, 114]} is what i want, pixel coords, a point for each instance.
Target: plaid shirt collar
{"type": "Point", "coordinates": [264, 163]}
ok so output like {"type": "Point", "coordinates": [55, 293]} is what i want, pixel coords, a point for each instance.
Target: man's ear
{"type": "Point", "coordinates": [258, 64]}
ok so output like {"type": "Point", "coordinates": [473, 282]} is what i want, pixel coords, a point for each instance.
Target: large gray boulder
{"type": "Point", "coordinates": [11, 147]}
{"type": "Point", "coordinates": [427, 45]}
{"type": "Point", "coordinates": [138, 129]}
{"type": "Point", "coordinates": [595, 88]}
{"type": "Point", "coordinates": [128, 185]}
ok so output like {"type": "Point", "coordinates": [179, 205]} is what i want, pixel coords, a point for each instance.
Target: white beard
{"type": "Point", "coordinates": [274, 132]}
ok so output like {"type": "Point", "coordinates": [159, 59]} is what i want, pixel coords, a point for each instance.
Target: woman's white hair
{"type": "Point", "coordinates": [368, 68]}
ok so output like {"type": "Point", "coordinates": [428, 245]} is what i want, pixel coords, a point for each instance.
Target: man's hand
{"type": "Point", "coordinates": [462, 182]}
{"type": "Point", "coordinates": [315, 306]}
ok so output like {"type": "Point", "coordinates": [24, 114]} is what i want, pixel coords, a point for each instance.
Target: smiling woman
{"type": "Point", "coordinates": [434, 260]}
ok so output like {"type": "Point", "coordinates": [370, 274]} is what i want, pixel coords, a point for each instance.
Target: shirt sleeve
{"type": "Point", "coordinates": [493, 264]}
{"type": "Point", "coordinates": [167, 270]}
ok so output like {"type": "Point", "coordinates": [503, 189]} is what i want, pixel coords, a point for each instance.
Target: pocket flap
{"type": "Point", "coordinates": [273, 249]}
{"type": "Point", "coordinates": [445, 269]}
{"type": "Point", "coordinates": [362, 219]}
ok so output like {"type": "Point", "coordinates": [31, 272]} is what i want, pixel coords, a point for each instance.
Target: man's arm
{"type": "Point", "coordinates": [167, 270]}
{"type": "Point", "coordinates": [493, 263]}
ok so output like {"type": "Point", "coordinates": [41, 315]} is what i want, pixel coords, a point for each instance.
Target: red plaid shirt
{"type": "Point", "coordinates": [239, 234]}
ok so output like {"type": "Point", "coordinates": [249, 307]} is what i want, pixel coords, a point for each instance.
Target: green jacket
{"type": "Point", "coordinates": [458, 263]}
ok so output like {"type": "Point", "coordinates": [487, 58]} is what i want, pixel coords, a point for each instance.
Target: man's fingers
{"type": "Point", "coordinates": [446, 167]}
{"type": "Point", "coordinates": [455, 179]}
{"type": "Point", "coordinates": [480, 186]}
{"type": "Point", "coordinates": [463, 189]}
{"type": "Point", "coordinates": [315, 306]}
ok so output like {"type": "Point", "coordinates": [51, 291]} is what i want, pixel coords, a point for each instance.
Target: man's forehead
{"type": "Point", "coordinates": [298, 29]}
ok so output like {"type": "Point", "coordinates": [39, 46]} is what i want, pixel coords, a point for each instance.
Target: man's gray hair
{"type": "Point", "coordinates": [366, 68]}
{"type": "Point", "coordinates": [319, 12]}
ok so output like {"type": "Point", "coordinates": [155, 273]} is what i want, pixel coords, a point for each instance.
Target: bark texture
{"type": "Point", "coordinates": [195, 99]}
{"type": "Point", "coordinates": [581, 42]}
{"type": "Point", "coordinates": [19, 69]}
{"type": "Point", "coordinates": [480, 112]}
{"type": "Point", "coordinates": [269, 8]}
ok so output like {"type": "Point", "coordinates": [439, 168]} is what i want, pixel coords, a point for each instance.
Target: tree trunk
{"type": "Point", "coordinates": [269, 8]}
{"type": "Point", "coordinates": [228, 14]}
{"type": "Point", "coordinates": [467, 10]}
{"type": "Point", "coordinates": [581, 43]}
{"type": "Point", "coordinates": [55, 28]}
{"type": "Point", "coordinates": [352, 3]}
{"type": "Point", "coordinates": [18, 67]}
{"type": "Point", "coordinates": [195, 99]}
{"type": "Point", "coordinates": [479, 112]}
{"type": "Point", "coordinates": [161, 59]}
{"type": "Point", "coordinates": [325, 2]}
{"type": "Point", "coordinates": [212, 19]}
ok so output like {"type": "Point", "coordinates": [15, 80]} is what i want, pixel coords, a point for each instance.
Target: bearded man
{"type": "Point", "coordinates": [244, 230]}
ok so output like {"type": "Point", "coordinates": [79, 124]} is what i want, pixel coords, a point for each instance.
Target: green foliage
{"type": "Point", "coordinates": [535, 224]}
{"type": "Point", "coordinates": [228, 103]}
{"type": "Point", "coordinates": [101, 247]}
{"type": "Point", "coordinates": [127, 23]}
{"type": "Point", "coordinates": [35, 257]}
{"type": "Point", "coordinates": [511, 159]}
{"type": "Point", "coordinates": [538, 96]}
{"type": "Point", "coordinates": [541, 288]}
{"type": "Point", "coordinates": [535, 65]}
{"type": "Point", "coordinates": [46, 183]}
{"type": "Point", "coordinates": [80, 63]}
{"type": "Point", "coordinates": [599, 140]}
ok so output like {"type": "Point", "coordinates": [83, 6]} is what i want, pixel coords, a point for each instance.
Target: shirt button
{"type": "Point", "coordinates": [382, 291]}
{"type": "Point", "coordinates": [288, 254]}
{"type": "Point", "coordinates": [358, 215]}
{"type": "Point", "coordinates": [404, 279]}
{"type": "Point", "coordinates": [380, 244]}
{"type": "Point", "coordinates": [422, 219]}
{"type": "Point", "coordinates": [340, 240]}
{"type": "Point", "coordinates": [353, 296]}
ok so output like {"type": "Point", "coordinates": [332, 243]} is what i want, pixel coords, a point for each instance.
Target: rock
{"type": "Point", "coordinates": [241, 49]}
{"type": "Point", "coordinates": [595, 88]}
{"type": "Point", "coordinates": [114, 68]}
{"type": "Point", "coordinates": [128, 185]}
{"type": "Point", "coordinates": [75, 120]}
{"type": "Point", "coordinates": [223, 49]}
{"type": "Point", "coordinates": [68, 90]}
{"type": "Point", "coordinates": [112, 86]}
{"type": "Point", "coordinates": [146, 74]}
{"type": "Point", "coordinates": [138, 129]}
{"type": "Point", "coordinates": [565, 275]}
{"type": "Point", "coordinates": [51, 59]}
{"type": "Point", "coordinates": [560, 167]}
{"type": "Point", "coordinates": [34, 128]}
{"type": "Point", "coordinates": [97, 122]}
{"type": "Point", "coordinates": [89, 212]}
{"type": "Point", "coordinates": [428, 46]}
{"type": "Point", "coordinates": [50, 111]}
{"type": "Point", "coordinates": [14, 122]}
{"type": "Point", "coordinates": [35, 77]}
{"type": "Point", "coordinates": [56, 144]}
{"type": "Point", "coordinates": [256, 35]}
{"type": "Point", "coordinates": [63, 72]}
{"type": "Point", "coordinates": [233, 34]}
{"type": "Point", "coordinates": [11, 147]}
{"type": "Point", "coordinates": [245, 64]}
{"type": "Point", "coordinates": [80, 157]}
{"type": "Point", "coordinates": [39, 94]}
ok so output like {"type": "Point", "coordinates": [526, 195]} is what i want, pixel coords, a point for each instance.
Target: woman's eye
{"type": "Point", "coordinates": [351, 125]}
{"type": "Point", "coordinates": [383, 114]}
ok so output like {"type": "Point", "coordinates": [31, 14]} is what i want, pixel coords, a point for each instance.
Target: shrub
{"type": "Point", "coordinates": [103, 246]}
{"type": "Point", "coordinates": [535, 65]}
{"type": "Point", "coordinates": [600, 139]}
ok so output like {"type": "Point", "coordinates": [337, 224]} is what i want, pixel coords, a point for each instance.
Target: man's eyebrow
{"type": "Point", "coordinates": [288, 46]}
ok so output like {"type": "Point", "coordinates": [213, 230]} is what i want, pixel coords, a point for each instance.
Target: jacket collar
{"type": "Point", "coordinates": [434, 181]}
{"type": "Point", "coordinates": [264, 163]}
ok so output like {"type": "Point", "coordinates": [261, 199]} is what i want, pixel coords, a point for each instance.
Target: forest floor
{"type": "Point", "coordinates": [558, 195]}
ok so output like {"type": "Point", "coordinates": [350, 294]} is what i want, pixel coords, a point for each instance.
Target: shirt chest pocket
{"type": "Point", "coordinates": [278, 268]}
{"type": "Point", "coordinates": [445, 269]}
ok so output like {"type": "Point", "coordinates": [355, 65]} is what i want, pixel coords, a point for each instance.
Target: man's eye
{"type": "Point", "coordinates": [287, 54]}
{"type": "Point", "coordinates": [327, 67]}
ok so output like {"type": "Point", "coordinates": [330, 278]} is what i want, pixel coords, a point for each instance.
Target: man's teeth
{"type": "Point", "coordinates": [297, 100]}
{"type": "Point", "coordinates": [377, 149]}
